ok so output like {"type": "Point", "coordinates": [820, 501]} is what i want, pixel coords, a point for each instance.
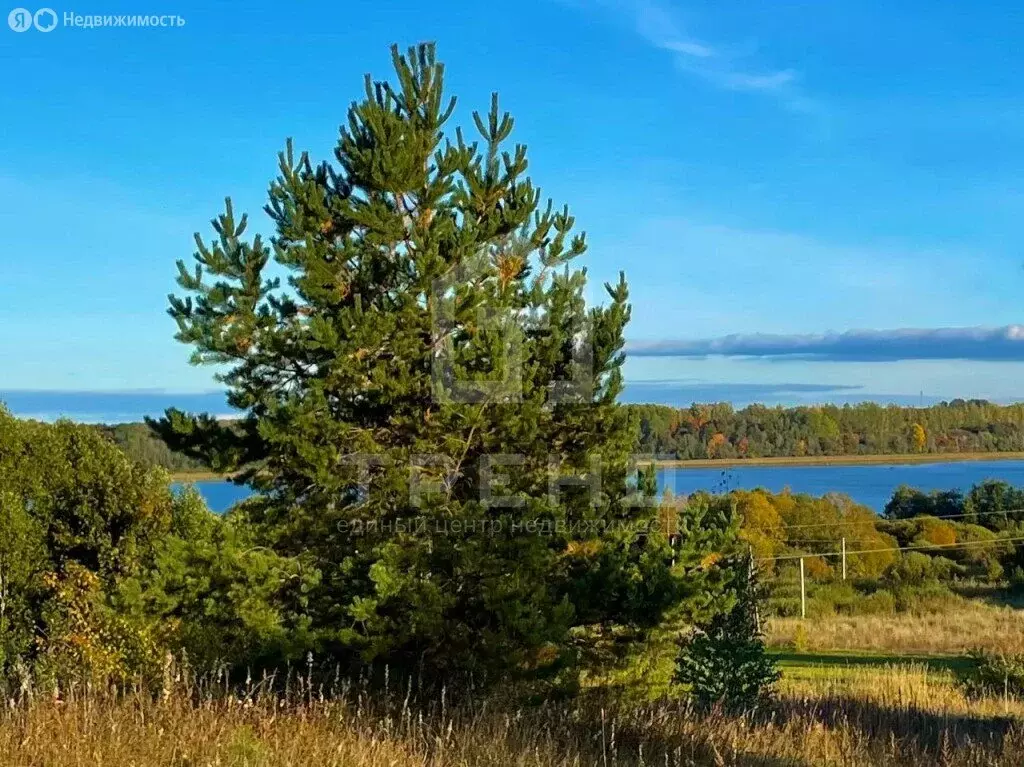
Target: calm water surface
{"type": "Point", "coordinates": [871, 485]}
{"type": "Point", "coordinates": [220, 495]}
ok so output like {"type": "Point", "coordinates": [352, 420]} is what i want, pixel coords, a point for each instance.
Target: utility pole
{"type": "Point", "coordinates": [844, 559]}
{"type": "Point", "coordinates": [803, 591]}
{"type": "Point", "coordinates": [751, 564]}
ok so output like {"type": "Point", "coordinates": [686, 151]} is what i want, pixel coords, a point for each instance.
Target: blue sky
{"type": "Point", "coordinates": [784, 169]}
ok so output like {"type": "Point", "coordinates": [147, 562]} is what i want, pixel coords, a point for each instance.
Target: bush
{"type": "Point", "coordinates": [917, 569]}
{"type": "Point", "coordinates": [817, 569]}
{"type": "Point", "coordinates": [84, 639]}
{"type": "Point", "coordinates": [881, 602]}
{"type": "Point", "coordinates": [928, 598]}
{"type": "Point", "coordinates": [801, 639]}
{"type": "Point", "coordinates": [77, 518]}
{"type": "Point", "coordinates": [935, 532]}
{"type": "Point", "coordinates": [784, 606]}
{"type": "Point", "coordinates": [220, 596]}
{"type": "Point", "coordinates": [994, 674]}
{"type": "Point", "coordinates": [839, 596]}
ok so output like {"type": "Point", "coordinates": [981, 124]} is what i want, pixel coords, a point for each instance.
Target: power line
{"type": "Point", "coordinates": [813, 541]}
{"type": "Point", "coordinates": [850, 523]}
{"type": "Point", "coordinates": [930, 546]}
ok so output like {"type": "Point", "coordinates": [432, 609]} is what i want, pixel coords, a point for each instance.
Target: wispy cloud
{"type": "Point", "coordinates": [689, 48]}
{"type": "Point", "coordinates": [1003, 344]}
{"type": "Point", "coordinates": [718, 64]}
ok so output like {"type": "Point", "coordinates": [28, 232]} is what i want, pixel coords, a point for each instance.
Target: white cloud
{"type": "Point", "coordinates": [773, 81]}
{"type": "Point", "coordinates": [659, 26]}
{"type": "Point", "coordinates": [689, 48]}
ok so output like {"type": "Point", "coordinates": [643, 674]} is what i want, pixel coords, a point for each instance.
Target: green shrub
{"type": "Point", "coordinates": [77, 519]}
{"type": "Point", "coordinates": [915, 569]}
{"type": "Point", "coordinates": [925, 599]}
{"type": "Point", "coordinates": [994, 674]}
{"type": "Point", "coordinates": [220, 595]}
{"type": "Point", "coordinates": [839, 597]}
{"type": "Point", "coordinates": [783, 606]}
{"type": "Point", "coordinates": [801, 639]}
{"type": "Point", "coordinates": [84, 639]}
{"type": "Point", "coordinates": [881, 602]}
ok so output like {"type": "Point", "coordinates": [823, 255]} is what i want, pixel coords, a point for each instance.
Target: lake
{"type": "Point", "coordinates": [220, 495]}
{"type": "Point", "coordinates": [869, 484]}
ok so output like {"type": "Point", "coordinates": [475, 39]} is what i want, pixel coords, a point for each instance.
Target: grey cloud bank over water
{"type": "Point", "coordinates": [1002, 344]}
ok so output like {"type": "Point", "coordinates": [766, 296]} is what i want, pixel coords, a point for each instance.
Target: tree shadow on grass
{"type": "Point", "coordinates": [665, 733]}
{"type": "Point", "coordinates": [901, 734]}
{"type": "Point", "coordinates": [917, 731]}
{"type": "Point", "coordinates": [631, 741]}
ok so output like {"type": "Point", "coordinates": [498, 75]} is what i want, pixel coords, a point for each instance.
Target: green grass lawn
{"type": "Point", "coordinates": [817, 664]}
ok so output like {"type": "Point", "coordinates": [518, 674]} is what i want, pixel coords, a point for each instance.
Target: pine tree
{"type": "Point", "coordinates": [724, 662]}
{"type": "Point", "coordinates": [429, 405]}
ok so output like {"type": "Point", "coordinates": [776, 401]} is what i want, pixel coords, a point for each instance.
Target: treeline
{"type": "Point", "coordinates": [759, 431]}
{"type": "Point", "coordinates": [140, 444]}
{"type": "Point", "coordinates": [918, 556]}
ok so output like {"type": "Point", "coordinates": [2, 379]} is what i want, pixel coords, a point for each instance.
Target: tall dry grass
{"type": "Point", "coordinates": [900, 717]}
{"type": "Point", "coordinates": [975, 625]}
{"type": "Point", "coordinates": [915, 686]}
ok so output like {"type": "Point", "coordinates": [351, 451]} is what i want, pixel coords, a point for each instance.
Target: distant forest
{"type": "Point", "coordinates": [140, 444]}
{"type": "Point", "coordinates": [721, 431]}
{"type": "Point", "coordinates": [758, 431]}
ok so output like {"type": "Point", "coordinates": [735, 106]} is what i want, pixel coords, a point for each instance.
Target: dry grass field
{"type": "Point", "coordinates": [862, 691]}
{"type": "Point", "coordinates": [867, 715]}
{"type": "Point", "coordinates": [975, 625]}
